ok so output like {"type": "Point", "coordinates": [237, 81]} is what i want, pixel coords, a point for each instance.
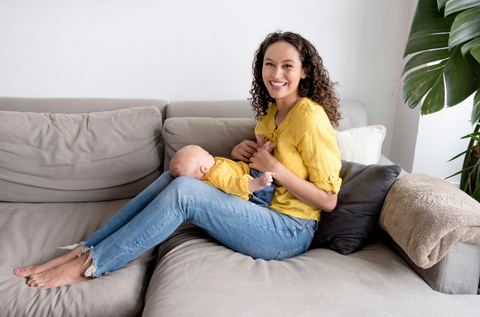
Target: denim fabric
{"type": "Point", "coordinates": [154, 214]}
{"type": "Point", "coordinates": [262, 197]}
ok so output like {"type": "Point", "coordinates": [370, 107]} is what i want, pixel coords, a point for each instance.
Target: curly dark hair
{"type": "Point", "coordinates": [317, 85]}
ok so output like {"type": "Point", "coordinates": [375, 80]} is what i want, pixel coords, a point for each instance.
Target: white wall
{"type": "Point", "coordinates": [188, 50]}
{"type": "Point", "coordinates": [202, 50]}
{"type": "Point", "coordinates": [404, 136]}
{"type": "Point", "coordinates": [432, 140]}
{"type": "Point", "coordinates": [439, 140]}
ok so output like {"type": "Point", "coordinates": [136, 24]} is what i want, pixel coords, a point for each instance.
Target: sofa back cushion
{"type": "Point", "coordinates": [211, 109]}
{"type": "Point", "coordinates": [218, 126]}
{"type": "Point", "coordinates": [216, 135]}
{"type": "Point", "coordinates": [244, 109]}
{"type": "Point", "coordinates": [77, 105]}
{"type": "Point", "coordinates": [95, 156]}
{"type": "Point", "coordinates": [220, 134]}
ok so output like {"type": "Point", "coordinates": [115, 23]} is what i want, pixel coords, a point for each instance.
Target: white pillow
{"type": "Point", "coordinates": [361, 145]}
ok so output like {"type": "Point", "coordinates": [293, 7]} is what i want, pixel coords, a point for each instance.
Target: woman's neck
{"type": "Point", "coordinates": [284, 108]}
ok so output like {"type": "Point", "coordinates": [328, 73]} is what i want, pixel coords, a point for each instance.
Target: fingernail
{"type": "Point", "coordinates": [17, 270]}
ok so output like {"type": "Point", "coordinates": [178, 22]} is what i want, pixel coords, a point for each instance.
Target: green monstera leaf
{"type": "Point", "coordinates": [444, 44]}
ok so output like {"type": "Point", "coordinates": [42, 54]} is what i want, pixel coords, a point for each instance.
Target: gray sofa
{"type": "Point", "coordinates": [67, 165]}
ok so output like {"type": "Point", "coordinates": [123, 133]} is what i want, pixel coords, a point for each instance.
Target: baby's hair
{"type": "Point", "coordinates": [181, 163]}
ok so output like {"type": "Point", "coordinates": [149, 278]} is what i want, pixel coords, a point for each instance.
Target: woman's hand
{"type": "Point", "coordinates": [303, 189]}
{"type": "Point", "coordinates": [263, 161]}
{"type": "Point", "coordinates": [244, 151]}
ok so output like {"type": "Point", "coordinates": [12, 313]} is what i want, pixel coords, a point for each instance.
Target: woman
{"type": "Point", "coordinates": [296, 106]}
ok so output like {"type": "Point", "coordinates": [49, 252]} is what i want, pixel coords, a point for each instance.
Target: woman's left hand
{"type": "Point", "coordinates": [263, 161]}
{"type": "Point", "coordinates": [303, 189]}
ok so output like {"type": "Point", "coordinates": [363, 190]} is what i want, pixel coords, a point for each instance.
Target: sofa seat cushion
{"type": "Point", "coordinates": [197, 276]}
{"type": "Point", "coordinates": [30, 235]}
{"type": "Point", "coordinates": [94, 156]}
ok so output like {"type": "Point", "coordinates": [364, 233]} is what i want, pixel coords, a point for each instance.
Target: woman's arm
{"type": "Point", "coordinates": [302, 189]}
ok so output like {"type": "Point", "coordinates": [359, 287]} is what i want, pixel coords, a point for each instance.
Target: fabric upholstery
{"type": "Point", "coordinates": [78, 157]}
{"type": "Point", "coordinates": [199, 277]}
{"type": "Point", "coordinates": [347, 228]}
{"type": "Point", "coordinates": [219, 139]}
{"type": "Point", "coordinates": [344, 123]}
{"type": "Point", "coordinates": [224, 133]}
{"type": "Point", "coordinates": [243, 109]}
{"type": "Point", "coordinates": [361, 145]}
{"type": "Point", "coordinates": [77, 105]}
{"type": "Point", "coordinates": [456, 273]}
{"type": "Point", "coordinates": [211, 109]}
{"type": "Point", "coordinates": [357, 113]}
{"type": "Point", "coordinates": [30, 235]}
{"type": "Point", "coordinates": [195, 275]}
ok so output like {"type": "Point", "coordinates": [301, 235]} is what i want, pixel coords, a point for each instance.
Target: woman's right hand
{"type": "Point", "coordinates": [244, 151]}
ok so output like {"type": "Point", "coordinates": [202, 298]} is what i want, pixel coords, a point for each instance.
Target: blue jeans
{"type": "Point", "coordinates": [262, 197]}
{"type": "Point", "coordinates": [155, 213]}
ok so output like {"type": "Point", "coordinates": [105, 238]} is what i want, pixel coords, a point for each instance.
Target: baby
{"type": "Point", "coordinates": [227, 175]}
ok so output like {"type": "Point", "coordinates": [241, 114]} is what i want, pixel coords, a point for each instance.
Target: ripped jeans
{"type": "Point", "coordinates": [156, 212]}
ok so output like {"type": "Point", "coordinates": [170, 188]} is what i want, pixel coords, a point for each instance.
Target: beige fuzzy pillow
{"type": "Point", "coordinates": [426, 216]}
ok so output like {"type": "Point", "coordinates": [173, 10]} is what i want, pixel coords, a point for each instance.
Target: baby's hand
{"type": "Point", "coordinates": [260, 141]}
{"type": "Point", "coordinates": [266, 179]}
{"type": "Point", "coordinates": [265, 145]}
{"type": "Point", "coordinates": [269, 147]}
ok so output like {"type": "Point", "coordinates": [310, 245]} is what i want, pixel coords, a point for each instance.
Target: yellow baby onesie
{"type": "Point", "coordinates": [229, 176]}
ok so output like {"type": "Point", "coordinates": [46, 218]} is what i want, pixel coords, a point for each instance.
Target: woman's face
{"type": "Point", "coordinates": [282, 71]}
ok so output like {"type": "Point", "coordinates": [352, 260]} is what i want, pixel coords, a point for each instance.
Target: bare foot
{"type": "Point", "coordinates": [68, 273]}
{"type": "Point", "coordinates": [28, 271]}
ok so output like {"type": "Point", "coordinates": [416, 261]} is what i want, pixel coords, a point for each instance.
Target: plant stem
{"type": "Point", "coordinates": [467, 161]}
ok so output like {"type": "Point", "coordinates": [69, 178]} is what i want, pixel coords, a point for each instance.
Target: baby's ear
{"type": "Point", "coordinates": [204, 169]}
{"type": "Point", "coordinates": [259, 140]}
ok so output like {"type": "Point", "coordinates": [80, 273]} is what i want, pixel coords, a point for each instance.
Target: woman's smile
{"type": "Point", "coordinates": [277, 84]}
{"type": "Point", "coordinates": [282, 71]}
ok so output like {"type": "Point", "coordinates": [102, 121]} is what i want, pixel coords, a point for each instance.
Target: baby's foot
{"type": "Point", "coordinates": [68, 273]}
{"type": "Point", "coordinates": [28, 271]}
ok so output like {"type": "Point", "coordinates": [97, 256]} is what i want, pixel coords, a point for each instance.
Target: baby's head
{"type": "Point", "coordinates": [191, 161]}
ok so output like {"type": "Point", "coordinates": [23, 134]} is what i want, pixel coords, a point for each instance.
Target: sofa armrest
{"type": "Point", "coordinates": [458, 272]}
{"type": "Point", "coordinates": [436, 228]}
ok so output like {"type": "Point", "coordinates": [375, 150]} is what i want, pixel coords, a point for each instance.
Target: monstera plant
{"type": "Point", "coordinates": [444, 69]}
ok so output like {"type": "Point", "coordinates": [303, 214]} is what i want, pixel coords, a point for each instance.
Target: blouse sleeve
{"type": "Point", "coordinates": [318, 147]}
{"type": "Point", "coordinates": [228, 183]}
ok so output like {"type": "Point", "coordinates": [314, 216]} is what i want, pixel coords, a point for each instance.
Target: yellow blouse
{"type": "Point", "coordinates": [306, 145]}
{"type": "Point", "coordinates": [229, 176]}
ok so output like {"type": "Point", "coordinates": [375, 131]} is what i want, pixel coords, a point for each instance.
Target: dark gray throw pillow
{"type": "Point", "coordinates": [360, 200]}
